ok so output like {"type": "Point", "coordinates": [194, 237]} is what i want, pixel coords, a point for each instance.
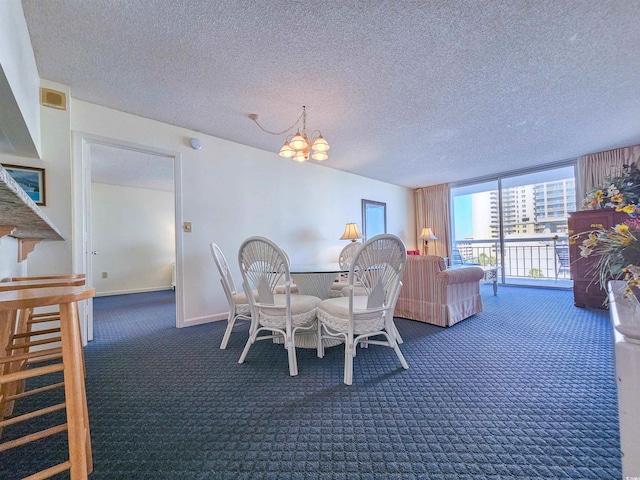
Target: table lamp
{"type": "Point", "coordinates": [426, 235]}
{"type": "Point", "coordinates": [351, 232]}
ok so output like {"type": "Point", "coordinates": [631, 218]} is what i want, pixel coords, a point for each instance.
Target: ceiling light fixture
{"type": "Point", "coordinates": [299, 146]}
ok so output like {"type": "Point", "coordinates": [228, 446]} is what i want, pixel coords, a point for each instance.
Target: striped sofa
{"type": "Point", "coordinates": [433, 293]}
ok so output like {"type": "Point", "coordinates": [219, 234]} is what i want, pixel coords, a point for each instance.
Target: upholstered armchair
{"type": "Point", "coordinates": [433, 293]}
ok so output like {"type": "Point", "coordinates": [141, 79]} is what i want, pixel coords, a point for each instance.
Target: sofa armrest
{"type": "Point", "coordinates": [460, 275]}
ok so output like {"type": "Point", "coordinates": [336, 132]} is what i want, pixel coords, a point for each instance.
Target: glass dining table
{"type": "Point", "coordinates": [315, 279]}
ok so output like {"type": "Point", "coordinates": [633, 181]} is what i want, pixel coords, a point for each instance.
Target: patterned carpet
{"type": "Point", "coordinates": [524, 390]}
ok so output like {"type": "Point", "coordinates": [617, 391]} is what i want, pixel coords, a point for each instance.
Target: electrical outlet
{"type": "Point", "coordinates": [186, 226]}
{"type": "Point", "coordinates": [104, 275]}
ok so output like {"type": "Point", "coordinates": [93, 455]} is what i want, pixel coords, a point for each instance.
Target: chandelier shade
{"type": "Point", "coordinates": [300, 147]}
{"type": "Point", "coordinates": [298, 142]}
{"type": "Point", "coordinates": [320, 145]}
{"type": "Point", "coordinates": [286, 151]}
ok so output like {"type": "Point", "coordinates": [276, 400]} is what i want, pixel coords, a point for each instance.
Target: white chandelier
{"type": "Point", "coordinates": [299, 146]}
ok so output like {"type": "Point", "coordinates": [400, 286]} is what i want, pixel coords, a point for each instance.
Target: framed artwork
{"type": "Point", "coordinates": [374, 218]}
{"type": "Point", "coordinates": [31, 180]}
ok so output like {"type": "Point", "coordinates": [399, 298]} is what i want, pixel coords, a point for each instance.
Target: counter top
{"type": "Point", "coordinates": [20, 217]}
{"type": "Point", "coordinates": [624, 311]}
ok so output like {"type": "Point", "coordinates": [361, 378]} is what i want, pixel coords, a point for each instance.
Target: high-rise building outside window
{"type": "Point", "coordinates": [518, 222]}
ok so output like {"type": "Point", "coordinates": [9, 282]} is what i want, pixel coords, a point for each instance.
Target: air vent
{"type": "Point", "coordinates": [53, 99]}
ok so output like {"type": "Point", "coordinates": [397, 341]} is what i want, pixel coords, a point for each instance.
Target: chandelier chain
{"type": "Point", "coordinates": [284, 131]}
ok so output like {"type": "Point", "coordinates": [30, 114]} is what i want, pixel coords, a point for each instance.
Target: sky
{"type": "Point", "coordinates": [462, 214]}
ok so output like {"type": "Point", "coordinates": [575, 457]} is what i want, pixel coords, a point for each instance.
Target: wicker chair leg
{"type": "Point", "coordinates": [291, 349]}
{"type": "Point", "coordinates": [227, 333]}
{"type": "Point", "coordinates": [246, 348]}
{"type": "Point", "coordinates": [320, 344]}
{"type": "Point", "coordinates": [404, 363]}
{"type": "Point", "coordinates": [349, 350]}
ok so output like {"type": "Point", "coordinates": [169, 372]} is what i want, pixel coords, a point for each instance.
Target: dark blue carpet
{"type": "Point", "coordinates": [524, 390]}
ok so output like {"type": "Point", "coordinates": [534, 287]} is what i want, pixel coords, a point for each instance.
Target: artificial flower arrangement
{"type": "Point", "coordinates": [621, 192]}
{"type": "Point", "coordinates": [618, 248]}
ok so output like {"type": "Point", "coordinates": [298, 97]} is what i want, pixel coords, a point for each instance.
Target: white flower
{"type": "Point", "coordinates": [585, 251]}
{"type": "Point", "coordinates": [591, 241]}
{"type": "Point", "coordinates": [635, 271]}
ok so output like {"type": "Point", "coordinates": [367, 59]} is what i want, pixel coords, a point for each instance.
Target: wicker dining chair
{"type": "Point", "coordinates": [239, 308]}
{"type": "Point", "coordinates": [263, 266]}
{"type": "Point", "coordinates": [344, 259]}
{"type": "Point", "coordinates": [377, 268]}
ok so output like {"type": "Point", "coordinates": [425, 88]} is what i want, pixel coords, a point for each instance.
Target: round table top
{"type": "Point", "coordinates": [316, 268]}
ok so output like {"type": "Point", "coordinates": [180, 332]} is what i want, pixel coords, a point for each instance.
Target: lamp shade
{"type": "Point", "coordinates": [299, 142]}
{"type": "Point", "coordinates": [320, 145]}
{"type": "Point", "coordinates": [427, 234]}
{"type": "Point", "coordinates": [320, 156]}
{"type": "Point", "coordinates": [351, 232]}
{"type": "Point", "coordinates": [286, 151]}
{"type": "Point", "coordinates": [299, 156]}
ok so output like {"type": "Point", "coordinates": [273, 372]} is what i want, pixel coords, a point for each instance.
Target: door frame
{"type": "Point", "coordinates": [81, 244]}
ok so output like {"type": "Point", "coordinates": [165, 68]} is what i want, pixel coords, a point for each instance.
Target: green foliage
{"type": "Point", "coordinates": [535, 273]}
{"type": "Point", "coordinates": [484, 259]}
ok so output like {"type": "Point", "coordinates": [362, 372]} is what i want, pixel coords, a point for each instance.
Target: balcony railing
{"type": "Point", "coordinates": [534, 258]}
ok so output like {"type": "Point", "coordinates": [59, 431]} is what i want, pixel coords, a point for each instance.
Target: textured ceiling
{"type": "Point", "coordinates": [409, 92]}
{"type": "Point", "coordinates": [119, 166]}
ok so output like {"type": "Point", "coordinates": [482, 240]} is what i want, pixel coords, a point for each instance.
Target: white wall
{"type": "Point", "coordinates": [9, 266]}
{"type": "Point", "coordinates": [19, 84]}
{"type": "Point", "coordinates": [19, 108]}
{"type": "Point", "coordinates": [231, 191]}
{"type": "Point", "coordinates": [52, 257]}
{"type": "Point", "coordinates": [133, 235]}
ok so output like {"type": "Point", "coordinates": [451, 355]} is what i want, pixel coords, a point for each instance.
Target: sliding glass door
{"type": "Point", "coordinates": [476, 226]}
{"type": "Point", "coordinates": [518, 223]}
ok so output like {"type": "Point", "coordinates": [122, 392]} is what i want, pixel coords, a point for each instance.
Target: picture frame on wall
{"type": "Point", "coordinates": [374, 218]}
{"type": "Point", "coordinates": [31, 179]}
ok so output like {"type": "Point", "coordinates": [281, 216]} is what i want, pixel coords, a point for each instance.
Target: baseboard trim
{"type": "Point", "coordinates": [190, 322]}
{"type": "Point", "coordinates": [135, 290]}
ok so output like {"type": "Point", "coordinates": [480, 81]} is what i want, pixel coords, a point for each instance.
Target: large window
{"type": "Point", "coordinates": [517, 222]}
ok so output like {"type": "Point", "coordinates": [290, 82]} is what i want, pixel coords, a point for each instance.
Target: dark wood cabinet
{"type": "Point", "coordinates": [586, 290]}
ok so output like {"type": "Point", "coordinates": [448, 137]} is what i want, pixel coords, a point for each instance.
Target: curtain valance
{"type": "Point", "coordinates": [593, 168]}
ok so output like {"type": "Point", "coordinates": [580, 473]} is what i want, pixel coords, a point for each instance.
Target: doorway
{"type": "Point", "coordinates": [120, 172]}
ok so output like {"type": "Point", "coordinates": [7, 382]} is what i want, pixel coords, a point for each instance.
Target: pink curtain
{"type": "Point", "coordinates": [593, 168]}
{"type": "Point", "coordinates": [433, 210]}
